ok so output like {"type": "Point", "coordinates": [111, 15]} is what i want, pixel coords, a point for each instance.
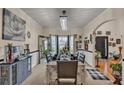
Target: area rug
{"type": "Point", "coordinates": [96, 75]}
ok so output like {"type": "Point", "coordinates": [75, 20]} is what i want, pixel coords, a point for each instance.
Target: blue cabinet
{"type": "Point", "coordinates": [15, 73]}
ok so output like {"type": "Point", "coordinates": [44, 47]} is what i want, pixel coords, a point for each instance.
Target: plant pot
{"type": "Point", "coordinates": [116, 57]}
{"type": "Point", "coordinates": [116, 73]}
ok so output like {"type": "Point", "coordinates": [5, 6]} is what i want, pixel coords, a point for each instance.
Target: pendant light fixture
{"type": "Point", "coordinates": [64, 21]}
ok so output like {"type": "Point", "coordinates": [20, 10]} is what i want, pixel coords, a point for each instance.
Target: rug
{"type": "Point", "coordinates": [95, 74]}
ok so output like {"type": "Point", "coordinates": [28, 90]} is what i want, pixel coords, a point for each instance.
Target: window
{"type": "Point", "coordinates": [45, 44]}
{"type": "Point", "coordinates": [53, 44]}
{"type": "Point", "coordinates": [71, 40]}
{"type": "Point", "coordinates": [63, 42]}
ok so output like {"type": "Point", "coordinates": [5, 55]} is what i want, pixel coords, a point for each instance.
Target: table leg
{"type": "Point", "coordinates": [48, 75]}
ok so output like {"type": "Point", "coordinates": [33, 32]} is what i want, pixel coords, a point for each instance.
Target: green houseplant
{"type": "Point", "coordinates": [46, 52]}
{"type": "Point", "coordinates": [98, 56]}
{"type": "Point", "coordinates": [117, 69]}
{"type": "Point", "coordinates": [117, 73]}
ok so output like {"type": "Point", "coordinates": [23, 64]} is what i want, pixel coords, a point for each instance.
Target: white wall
{"type": "Point", "coordinates": [88, 57]}
{"type": "Point", "coordinates": [88, 29]}
{"type": "Point", "coordinates": [59, 32]}
{"type": "Point", "coordinates": [116, 27]}
{"type": "Point", "coordinates": [32, 26]}
{"type": "Point", "coordinates": [35, 58]}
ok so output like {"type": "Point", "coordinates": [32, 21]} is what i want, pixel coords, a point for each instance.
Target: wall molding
{"type": "Point", "coordinates": [34, 51]}
{"type": "Point", "coordinates": [86, 50]}
{"type": "Point", "coordinates": [106, 21]}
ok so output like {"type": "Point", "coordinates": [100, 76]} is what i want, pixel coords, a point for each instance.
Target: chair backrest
{"type": "Point", "coordinates": [49, 57]}
{"type": "Point", "coordinates": [67, 69]}
{"type": "Point", "coordinates": [81, 57]}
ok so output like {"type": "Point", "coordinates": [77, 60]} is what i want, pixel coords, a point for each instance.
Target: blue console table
{"type": "Point", "coordinates": [15, 73]}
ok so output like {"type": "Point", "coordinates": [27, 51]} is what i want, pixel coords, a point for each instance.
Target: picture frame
{"type": "Point", "coordinates": [28, 34]}
{"type": "Point", "coordinates": [86, 46]}
{"type": "Point", "coordinates": [14, 27]}
{"type": "Point", "coordinates": [113, 44]}
{"type": "Point", "coordinates": [109, 43]}
{"type": "Point", "coordinates": [75, 35]}
{"type": "Point", "coordinates": [91, 38]}
{"type": "Point", "coordinates": [118, 41]}
{"type": "Point", "coordinates": [108, 32]}
{"type": "Point", "coordinates": [85, 37]}
{"type": "Point", "coordinates": [80, 41]}
{"type": "Point", "coordinates": [80, 46]}
{"type": "Point", "coordinates": [86, 41]}
{"type": "Point", "coordinates": [111, 39]}
{"type": "Point", "coordinates": [80, 36]}
{"type": "Point", "coordinates": [99, 32]}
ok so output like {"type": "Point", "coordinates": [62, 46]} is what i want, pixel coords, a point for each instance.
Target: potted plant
{"type": "Point", "coordinates": [46, 52]}
{"type": "Point", "coordinates": [9, 55]}
{"type": "Point", "coordinates": [116, 68]}
{"type": "Point", "coordinates": [117, 72]}
{"type": "Point", "coordinates": [98, 56]}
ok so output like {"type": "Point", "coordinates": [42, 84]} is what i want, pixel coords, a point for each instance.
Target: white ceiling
{"type": "Point", "coordinates": [48, 18]}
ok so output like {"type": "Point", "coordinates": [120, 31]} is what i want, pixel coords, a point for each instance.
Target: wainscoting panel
{"type": "Point", "coordinates": [89, 57]}
{"type": "Point", "coordinates": [35, 58]}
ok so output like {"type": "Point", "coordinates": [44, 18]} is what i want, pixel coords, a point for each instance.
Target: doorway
{"type": "Point", "coordinates": [102, 46]}
{"type": "Point", "coordinates": [42, 45]}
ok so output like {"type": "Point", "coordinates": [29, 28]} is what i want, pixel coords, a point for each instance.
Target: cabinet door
{"type": "Point", "coordinates": [14, 74]}
{"type": "Point", "coordinates": [22, 70]}
{"type": "Point", "coordinates": [19, 72]}
{"type": "Point", "coordinates": [29, 65]}
{"type": "Point", "coordinates": [4, 75]}
{"type": "Point", "coordinates": [25, 69]}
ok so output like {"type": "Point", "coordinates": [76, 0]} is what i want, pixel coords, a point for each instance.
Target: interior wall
{"type": "Point", "coordinates": [47, 32]}
{"type": "Point", "coordinates": [116, 27]}
{"type": "Point", "coordinates": [88, 29]}
{"type": "Point", "coordinates": [33, 27]}
{"type": "Point", "coordinates": [114, 34]}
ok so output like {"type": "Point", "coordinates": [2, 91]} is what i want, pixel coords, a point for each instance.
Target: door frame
{"type": "Point", "coordinates": [40, 36]}
{"type": "Point", "coordinates": [106, 42]}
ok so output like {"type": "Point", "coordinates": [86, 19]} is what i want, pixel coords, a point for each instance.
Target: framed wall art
{"type": "Point", "coordinates": [80, 46]}
{"type": "Point", "coordinates": [80, 37]}
{"type": "Point", "coordinates": [109, 43]}
{"type": "Point", "coordinates": [13, 27]}
{"type": "Point", "coordinates": [108, 32]}
{"type": "Point", "coordinates": [75, 35]}
{"type": "Point", "coordinates": [99, 32]}
{"type": "Point", "coordinates": [118, 41]}
{"type": "Point", "coordinates": [85, 37]}
{"type": "Point", "coordinates": [28, 34]}
{"type": "Point", "coordinates": [80, 41]}
{"type": "Point", "coordinates": [91, 38]}
{"type": "Point", "coordinates": [111, 39]}
{"type": "Point", "coordinates": [113, 44]}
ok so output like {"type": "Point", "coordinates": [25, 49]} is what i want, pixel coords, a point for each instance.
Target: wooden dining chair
{"type": "Point", "coordinates": [66, 71]}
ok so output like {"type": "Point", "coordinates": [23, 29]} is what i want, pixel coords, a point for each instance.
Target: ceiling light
{"type": "Point", "coordinates": [63, 21]}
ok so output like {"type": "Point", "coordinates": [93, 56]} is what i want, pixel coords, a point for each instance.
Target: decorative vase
{"type": "Point", "coordinates": [9, 53]}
